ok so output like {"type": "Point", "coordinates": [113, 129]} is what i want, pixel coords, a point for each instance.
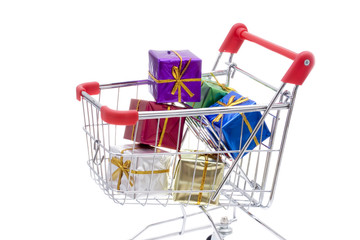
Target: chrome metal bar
{"type": "Point", "coordinates": [253, 77]}
{"type": "Point", "coordinates": [125, 84]}
{"type": "Point", "coordinates": [148, 81]}
{"type": "Point", "coordinates": [243, 193]}
{"type": "Point", "coordinates": [216, 73]}
{"type": "Point", "coordinates": [193, 112]}
{"type": "Point", "coordinates": [196, 128]}
{"type": "Point", "coordinates": [269, 154]}
{"type": "Point", "coordinates": [214, 137]}
{"type": "Point", "coordinates": [117, 108]}
{"type": "Point", "coordinates": [171, 220]}
{"type": "Point", "coordinates": [217, 61]}
{"type": "Point", "coordinates": [90, 99]}
{"type": "Point", "coordinates": [166, 236]}
{"type": "Point", "coordinates": [217, 234]}
{"type": "Point", "coordinates": [255, 130]}
{"type": "Point", "coordinates": [283, 141]}
{"type": "Point", "coordinates": [208, 111]}
{"type": "Point", "coordinates": [231, 57]}
{"type": "Point", "coordinates": [262, 223]}
{"type": "Point", "coordinates": [243, 174]}
{"type": "Point", "coordinates": [86, 136]}
{"type": "Point", "coordinates": [184, 220]}
{"type": "Point", "coordinates": [228, 73]}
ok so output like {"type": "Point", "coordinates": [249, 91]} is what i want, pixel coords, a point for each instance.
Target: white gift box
{"type": "Point", "coordinates": [142, 171]}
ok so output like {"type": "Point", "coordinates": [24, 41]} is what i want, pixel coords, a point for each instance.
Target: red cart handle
{"type": "Point", "coordinates": [108, 115]}
{"type": "Point", "coordinates": [129, 117]}
{"type": "Point", "coordinates": [92, 88]}
{"type": "Point", "coordinates": [298, 71]}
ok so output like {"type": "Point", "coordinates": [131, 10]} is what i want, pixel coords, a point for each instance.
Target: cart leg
{"type": "Point", "coordinates": [184, 220]}
{"type": "Point", "coordinates": [216, 232]}
{"type": "Point", "coordinates": [166, 221]}
{"type": "Point", "coordinates": [221, 230]}
{"type": "Point", "coordinates": [262, 223]}
{"type": "Point", "coordinates": [217, 61]}
{"type": "Point", "coordinates": [184, 217]}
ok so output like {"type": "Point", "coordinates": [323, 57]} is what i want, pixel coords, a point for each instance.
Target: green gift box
{"type": "Point", "coordinates": [211, 92]}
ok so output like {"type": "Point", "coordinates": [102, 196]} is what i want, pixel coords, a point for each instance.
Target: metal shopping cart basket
{"type": "Point", "coordinates": [243, 178]}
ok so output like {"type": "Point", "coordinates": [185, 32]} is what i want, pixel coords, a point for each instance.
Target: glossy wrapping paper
{"type": "Point", "coordinates": [233, 125]}
{"type": "Point", "coordinates": [147, 162]}
{"type": "Point", "coordinates": [207, 178]}
{"type": "Point", "coordinates": [210, 93]}
{"type": "Point", "coordinates": [161, 65]}
{"type": "Point", "coordinates": [167, 134]}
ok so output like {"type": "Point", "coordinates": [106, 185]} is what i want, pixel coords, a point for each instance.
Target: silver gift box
{"type": "Point", "coordinates": [142, 171]}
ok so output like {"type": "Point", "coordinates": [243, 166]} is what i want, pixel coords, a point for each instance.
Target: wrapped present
{"type": "Point", "coordinates": [211, 92]}
{"type": "Point", "coordinates": [143, 170]}
{"type": "Point", "coordinates": [198, 172]}
{"type": "Point", "coordinates": [237, 127]}
{"type": "Point", "coordinates": [175, 76]}
{"type": "Point", "coordinates": [168, 133]}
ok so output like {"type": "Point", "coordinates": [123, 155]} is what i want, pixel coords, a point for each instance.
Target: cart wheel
{"type": "Point", "coordinates": [209, 237]}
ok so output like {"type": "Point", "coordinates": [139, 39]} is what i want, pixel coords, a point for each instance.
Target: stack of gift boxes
{"type": "Point", "coordinates": [144, 170]}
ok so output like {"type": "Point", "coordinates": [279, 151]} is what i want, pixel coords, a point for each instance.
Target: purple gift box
{"type": "Point", "coordinates": [175, 76]}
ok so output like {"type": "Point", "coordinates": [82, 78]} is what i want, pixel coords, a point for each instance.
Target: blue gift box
{"type": "Point", "coordinates": [237, 127]}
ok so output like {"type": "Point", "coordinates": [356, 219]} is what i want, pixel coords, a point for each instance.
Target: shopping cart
{"type": "Point", "coordinates": [249, 177]}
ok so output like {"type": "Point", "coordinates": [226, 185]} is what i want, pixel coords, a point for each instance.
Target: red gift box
{"type": "Point", "coordinates": [146, 133]}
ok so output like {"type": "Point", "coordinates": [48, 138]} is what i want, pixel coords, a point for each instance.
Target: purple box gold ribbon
{"type": "Point", "coordinates": [176, 76]}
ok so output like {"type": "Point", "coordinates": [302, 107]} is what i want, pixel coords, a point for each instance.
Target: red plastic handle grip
{"type": "Point", "coordinates": [300, 68]}
{"type": "Point", "coordinates": [266, 44]}
{"type": "Point", "coordinates": [108, 115]}
{"type": "Point", "coordinates": [298, 71]}
{"type": "Point", "coordinates": [233, 42]}
{"type": "Point", "coordinates": [116, 117]}
{"type": "Point", "coordinates": [92, 88]}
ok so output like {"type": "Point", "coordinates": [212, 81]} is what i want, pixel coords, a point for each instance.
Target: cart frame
{"type": "Point", "coordinates": [99, 118]}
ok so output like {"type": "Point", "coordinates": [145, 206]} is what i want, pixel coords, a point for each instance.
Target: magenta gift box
{"type": "Point", "coordinates": [165, 133]}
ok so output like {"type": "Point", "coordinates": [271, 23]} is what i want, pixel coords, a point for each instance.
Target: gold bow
{"type": "Point", "coordinates": [231, 102]}
{"type": "Point", "coordinates": [122, 168]}
{"type": "Point", "coordinates": [177, 73]}
{"type": "Point", "coordinates": [223, 86]}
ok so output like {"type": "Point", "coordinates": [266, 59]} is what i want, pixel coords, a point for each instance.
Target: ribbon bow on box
{"type": "Point", "coordinates": [223, 86]}
{"type": "Point", "coordinates": [231, 102]}
{"type": "Point", "coordinates": [124, 167]}
{"type": "Point", "coordinates": [177, 73]}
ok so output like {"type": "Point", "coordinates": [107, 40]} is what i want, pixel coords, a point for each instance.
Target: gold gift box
{"type": "Point", "coordinates": [197, 172]}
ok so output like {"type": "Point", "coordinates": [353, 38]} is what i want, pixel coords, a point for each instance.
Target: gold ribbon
{"type": "Point", "coordinates": [203, 177]}
{"type": "Point", "coordinates": [133, 129]}
{"type": "Point", "coordinates": [177, 73]}
{"type": "Point", "coordinates": [163, 130]}
{"type": "Point", "coordinates": [231, 102]}
{"type": "Point", "coordinates": [125, 168]}
{"type": "Point", "coordinates": [223, 86]}
{"type": "Point", "coordinates": [122, 168]}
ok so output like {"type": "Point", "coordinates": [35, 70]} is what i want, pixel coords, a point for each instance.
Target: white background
{"type": "Point", "coordinates": [48, 47]}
